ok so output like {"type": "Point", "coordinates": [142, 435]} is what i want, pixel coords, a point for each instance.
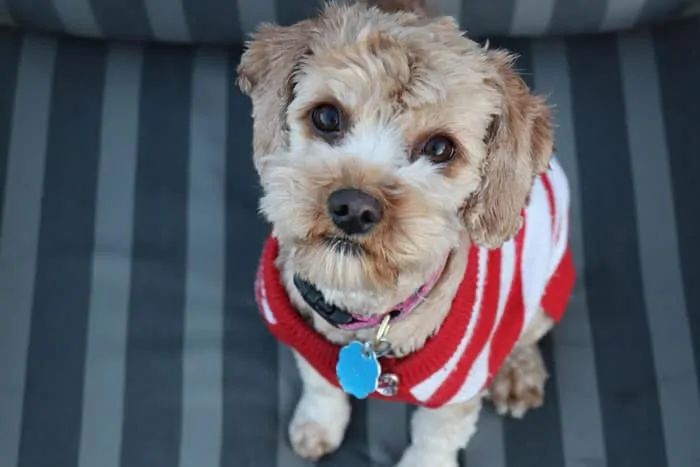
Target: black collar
{"type": "Point", "coordinates": [313, 297]}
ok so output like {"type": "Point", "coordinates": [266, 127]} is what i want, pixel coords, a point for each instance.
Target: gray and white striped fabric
{"type": "Point", "coordinates": [229, 21]}
{"type": "Point", "coordinates": [129, 239]}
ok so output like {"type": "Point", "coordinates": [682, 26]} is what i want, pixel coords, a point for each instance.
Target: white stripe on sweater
{"type": "Point", "coordinates": [537, 251]}
{"type": "Point", "coordinates": [267, 311]}
{"type": "Point", "coordinates": [560, 188]}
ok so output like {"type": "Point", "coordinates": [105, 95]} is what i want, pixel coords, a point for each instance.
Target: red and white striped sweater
{"type": "Point", "coordinates": [501, 292]}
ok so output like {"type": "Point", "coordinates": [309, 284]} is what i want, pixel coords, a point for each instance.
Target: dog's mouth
{"type": "Point", "coordinates": [344, 245]}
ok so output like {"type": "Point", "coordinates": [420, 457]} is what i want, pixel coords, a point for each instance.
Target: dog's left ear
{"type": "Point", "coordinates": [519, 147]}
{"type": "Point", "coordinates": [265, 73]}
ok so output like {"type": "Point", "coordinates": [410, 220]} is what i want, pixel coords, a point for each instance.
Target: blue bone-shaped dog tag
{"type": "Point", "coordinates": [358, 370]}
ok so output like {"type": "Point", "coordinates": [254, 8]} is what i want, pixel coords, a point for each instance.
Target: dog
{"type": "Point", "coordinates": [419, 246]}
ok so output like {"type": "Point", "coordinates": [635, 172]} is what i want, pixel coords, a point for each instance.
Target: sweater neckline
{"type": "Point", "coordinates": [412, 369]}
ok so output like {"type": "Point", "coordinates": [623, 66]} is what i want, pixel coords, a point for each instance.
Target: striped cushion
{"type": "Point", "coordinates": [228, 21]}
{"type": "Point", "coordinates": [129, 240]}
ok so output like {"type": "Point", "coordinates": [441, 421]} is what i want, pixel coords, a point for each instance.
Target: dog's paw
{"type": "Point", "coordinates": [318, 426]}
{"type": "Point", "coordinates": [423, 457]}
{"type": "Point", "coordinates": [519, 385]}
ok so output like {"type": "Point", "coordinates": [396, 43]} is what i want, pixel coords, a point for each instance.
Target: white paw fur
{"type": "Point", "coordinates": [318, 427]}
{"type": "Point", "coordinates": [320, 418]}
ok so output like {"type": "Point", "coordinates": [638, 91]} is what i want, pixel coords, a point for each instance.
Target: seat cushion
{"type": "Point", "coordinates": [229, 21]}
{"type": "Point", "coordinates": [129, 335]}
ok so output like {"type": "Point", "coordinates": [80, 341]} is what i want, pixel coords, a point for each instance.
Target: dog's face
{"type": "Point", "coordinates": [380, 139]}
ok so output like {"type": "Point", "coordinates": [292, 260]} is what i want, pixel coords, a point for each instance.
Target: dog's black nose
{"type": "Point", "coordinates": [354, 211]}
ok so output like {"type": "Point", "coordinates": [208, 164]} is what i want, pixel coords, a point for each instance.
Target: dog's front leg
{"type": "Point", "coordinates": [437, 435]}
{"type": "Point", "coordinates": [321, 416]}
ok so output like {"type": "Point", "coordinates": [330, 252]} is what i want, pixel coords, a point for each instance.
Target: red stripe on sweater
{"type": "Point", "coordinates": [482, 332]}
{"type": "Point", "coordinates": [561, 285]}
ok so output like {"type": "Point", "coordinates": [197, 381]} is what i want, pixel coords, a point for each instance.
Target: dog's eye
{"type": "Point", "coordinates": [326, 118]}
{"type": "Point", "coordinates": [439, 149]}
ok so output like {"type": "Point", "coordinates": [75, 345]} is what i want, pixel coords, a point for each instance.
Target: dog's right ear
{"type": "Point", "coordinates": [265, 74]}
